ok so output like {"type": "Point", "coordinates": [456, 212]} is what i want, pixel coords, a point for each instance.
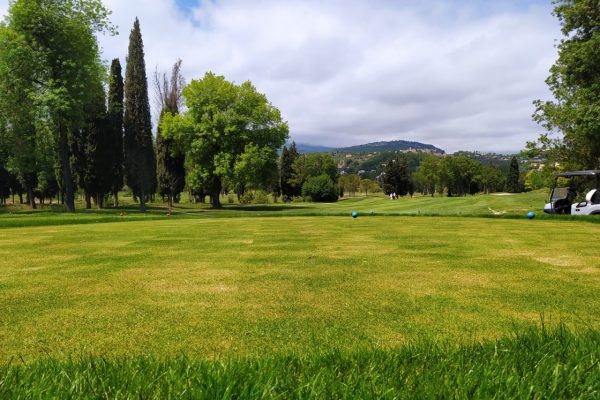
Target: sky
{"type": "Point", "coordinates": [458, 74]}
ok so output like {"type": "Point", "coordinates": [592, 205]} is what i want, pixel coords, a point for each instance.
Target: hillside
{"type": "Point", "coordinates": [394, 145]}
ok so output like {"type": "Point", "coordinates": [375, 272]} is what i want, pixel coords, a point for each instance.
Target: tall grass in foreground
{"type": "Point", "coordinates": [534, 364]}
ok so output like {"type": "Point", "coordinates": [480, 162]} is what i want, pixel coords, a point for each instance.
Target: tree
{"type": "Point", "coordinates": [367, 185]}
{"type": "Point", "coordinates": [59, 38]}
{"type": "Point", "coordinates": [311, 165]}
{"type": "Point", "coordinates": [320, 188]}
{"type": "Point", "coordinates": [169, 158]}
{"type": "Point", "coordinates": [115, 127]}
{"type": "Point", "coordinates": [286, 172]}
{"type": "Point", "coordinates": [512, 180]}
{"type": "Point", "coordinates": [397, 176]}
{"type": "Point", "coordinates": [352, 184]}
{"type": "Point", "coordinates": [225, 126]}
{"type": "Point", "coordinates": [491, 179]}
{"type": "Point", "coordinates": [574, 81]}
{"type": "Point", "coordinates": [140, 160]}
{"type": "Point", "coordinates": [428, 174]}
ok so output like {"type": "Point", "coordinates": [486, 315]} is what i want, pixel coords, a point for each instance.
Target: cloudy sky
{"type": "Point", "coordinates": [459, 74]}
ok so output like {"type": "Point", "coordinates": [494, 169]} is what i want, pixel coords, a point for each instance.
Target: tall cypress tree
{"type": "Point", "coordinates": [512, 181]}
{"type": "Point", "coordinates": [115, 126]}
{"type": "Point", "coordinates": [169, 161]}
{"type": "Point", "coordinates": [140, 160]}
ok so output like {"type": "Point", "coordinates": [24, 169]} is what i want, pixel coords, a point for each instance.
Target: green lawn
{"type": "Point", "coordinates": [493, 205]}
{"type": "Point", "coordinates": [312, 304]}
{"type": "Point", "coordinates": [246, 286]}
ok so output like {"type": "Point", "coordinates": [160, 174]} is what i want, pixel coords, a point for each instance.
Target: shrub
{"type": "Point", "coordinates": [231, 198]}
{"type": "Point", "coordinates": [247, 198]}
{"type": "Point", "coordinates": [320, 189]}
{"type": "Point", "coordinates": [260, 197]}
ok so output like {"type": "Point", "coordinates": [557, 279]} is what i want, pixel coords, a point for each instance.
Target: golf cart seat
{"type": "Point", "coordinates": [593, 196]}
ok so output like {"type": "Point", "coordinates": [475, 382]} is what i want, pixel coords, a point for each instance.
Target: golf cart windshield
{"type": "Point", "coordinates": [559, 193]}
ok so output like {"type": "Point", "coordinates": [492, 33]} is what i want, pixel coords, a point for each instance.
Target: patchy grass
{"type": "Point", "coordinates": [254, 286]}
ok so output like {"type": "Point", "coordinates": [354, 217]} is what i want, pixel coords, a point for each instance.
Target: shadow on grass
{"type": "Point", "coordinates": [264, 208]}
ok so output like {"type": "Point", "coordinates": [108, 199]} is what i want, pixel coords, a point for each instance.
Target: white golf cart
{"type": "Point", "coordinates": [575, 193]}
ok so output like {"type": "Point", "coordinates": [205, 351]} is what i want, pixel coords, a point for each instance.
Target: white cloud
{"type": "Point", "coordinates": [346, 72]}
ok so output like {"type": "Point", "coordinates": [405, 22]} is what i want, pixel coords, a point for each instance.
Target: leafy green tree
{"type": "Point", "coordinates": [115, 127]}
{"type": "Point", "coordinates": [140, 160]}
{"type": "Point", "coordinates": [224, 128]}
{"type": "Point", "coordinates": [320, 188]}
{"type": "Point", "coordinates": [170, 159]}
{"type": "Point", "coordinates": [352, 184]}
{"type": "Point", "coordinates": [428, 174]}
{"type": "Point", "coordinates": [288, 157]}
{"type": "Point", "coordinates": [491, 179]}
{"type": "Point", "coordinates": [19, 69]}
{"type": "Point", "coordinates": [574, 81]}
{"type": "Point", "coordinates": [512, 180]}
{"type": "Point", "coordinates": [366, 185]}
{"type": "Point", "coordinates": [59, 38]}
{"type": "Point", "coordinates": [397, 176]}
{"type": "Point", "coordinates": [311, 165]}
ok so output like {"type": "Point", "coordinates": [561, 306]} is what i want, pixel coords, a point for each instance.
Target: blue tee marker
{"type": "Point", "coordinates": [530, 215]}
{"type": "Point", "coordinates": [354, 214]}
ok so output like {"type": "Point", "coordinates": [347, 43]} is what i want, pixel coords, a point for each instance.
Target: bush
{"type": "Point", "coordinates": [231, 198]}
{"type": "Point", "coordinates": [320, 189]}
{"type": "Point", "coordinates": [298, 199]}
{"type": "Point", "coordinates": [260, 197]}
{"type": "Point", "coordinates": [247, 198]}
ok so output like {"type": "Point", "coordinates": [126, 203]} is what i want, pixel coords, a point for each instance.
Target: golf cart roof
{"type": "Point", "coordinates": [590, 172]}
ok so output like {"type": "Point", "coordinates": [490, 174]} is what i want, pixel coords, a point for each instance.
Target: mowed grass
{"type": "Point", "coordinates": [250, 287]}
{"type": "Point", "coordinates": [498, 205]}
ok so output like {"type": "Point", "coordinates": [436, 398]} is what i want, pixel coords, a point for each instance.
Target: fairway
{"type": "Point", "coordinates": [253, 286]}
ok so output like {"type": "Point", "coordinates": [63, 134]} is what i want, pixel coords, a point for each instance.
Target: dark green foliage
{"type": "Point", "coordinates": [397, 176]}
{"type": "Point", "coordinates": [288, 156]}
{"type": "Point", "coordinates": [320, 189]}
{"type": "Point", "coordinates": [115, 127]}
{"type": "Point", "coordinates": [140, 160]}
{"type": "Point", "coordinates": [59, 57]}
{"type": "Point", "coordinates": [170, 169]}
{"type": "Point", "coordinates": [491, 179]}
{"type": "Point", "coordinates": [534, 364]}
{"type": "Point", "coordinates": [575, 83]}
{"type": "Point", "coordinates": [512, 180]}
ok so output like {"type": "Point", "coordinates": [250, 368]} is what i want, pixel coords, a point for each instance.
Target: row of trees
{"type": "Point", "coordinates": [59, 129]}
{"type": "Point", "coordinates": [453, 175]}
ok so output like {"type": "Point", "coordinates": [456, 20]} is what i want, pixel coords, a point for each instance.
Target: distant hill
{"type": "Point", "coordinates": [394, 145]}
{"type": "Point", "coordinates": [304, 148]}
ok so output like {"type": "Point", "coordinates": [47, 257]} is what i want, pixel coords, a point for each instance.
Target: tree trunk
{"type": "Point", "coordinates": [100, 200]}
{"type": "Point", "coordinates": [116, 198]}
{"type": "Point", "coordinates": [30, 198]}
{"type": "Point", "coordinates": [170, 200]}
{"type": "Point", "coordinates": [215, 200]}
{"type": "Point", "coordinates": [20, 198]}
{"type": "Point", "coordinates": [65, 166]}
{"type": "Point", "coordinates": [88, 201]}
{"type": "Point", "coordinates": [143, 201]}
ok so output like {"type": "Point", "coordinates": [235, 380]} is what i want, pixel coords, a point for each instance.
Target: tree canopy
{"type": "Point", "coordinates": [575, 84]}
{"type": "Point", "coordinates": [229, 132]}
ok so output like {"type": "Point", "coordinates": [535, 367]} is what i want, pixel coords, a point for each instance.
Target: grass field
{"type": "Point", "coordinates": [493, 205]}
{"type": "Point", "coordinates": [152, 299]}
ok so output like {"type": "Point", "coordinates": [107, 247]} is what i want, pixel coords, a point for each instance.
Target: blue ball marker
{"type": "Point", "coordinates": [354, 214]}
{"type": "Point", "coordinates": [530, 215]}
